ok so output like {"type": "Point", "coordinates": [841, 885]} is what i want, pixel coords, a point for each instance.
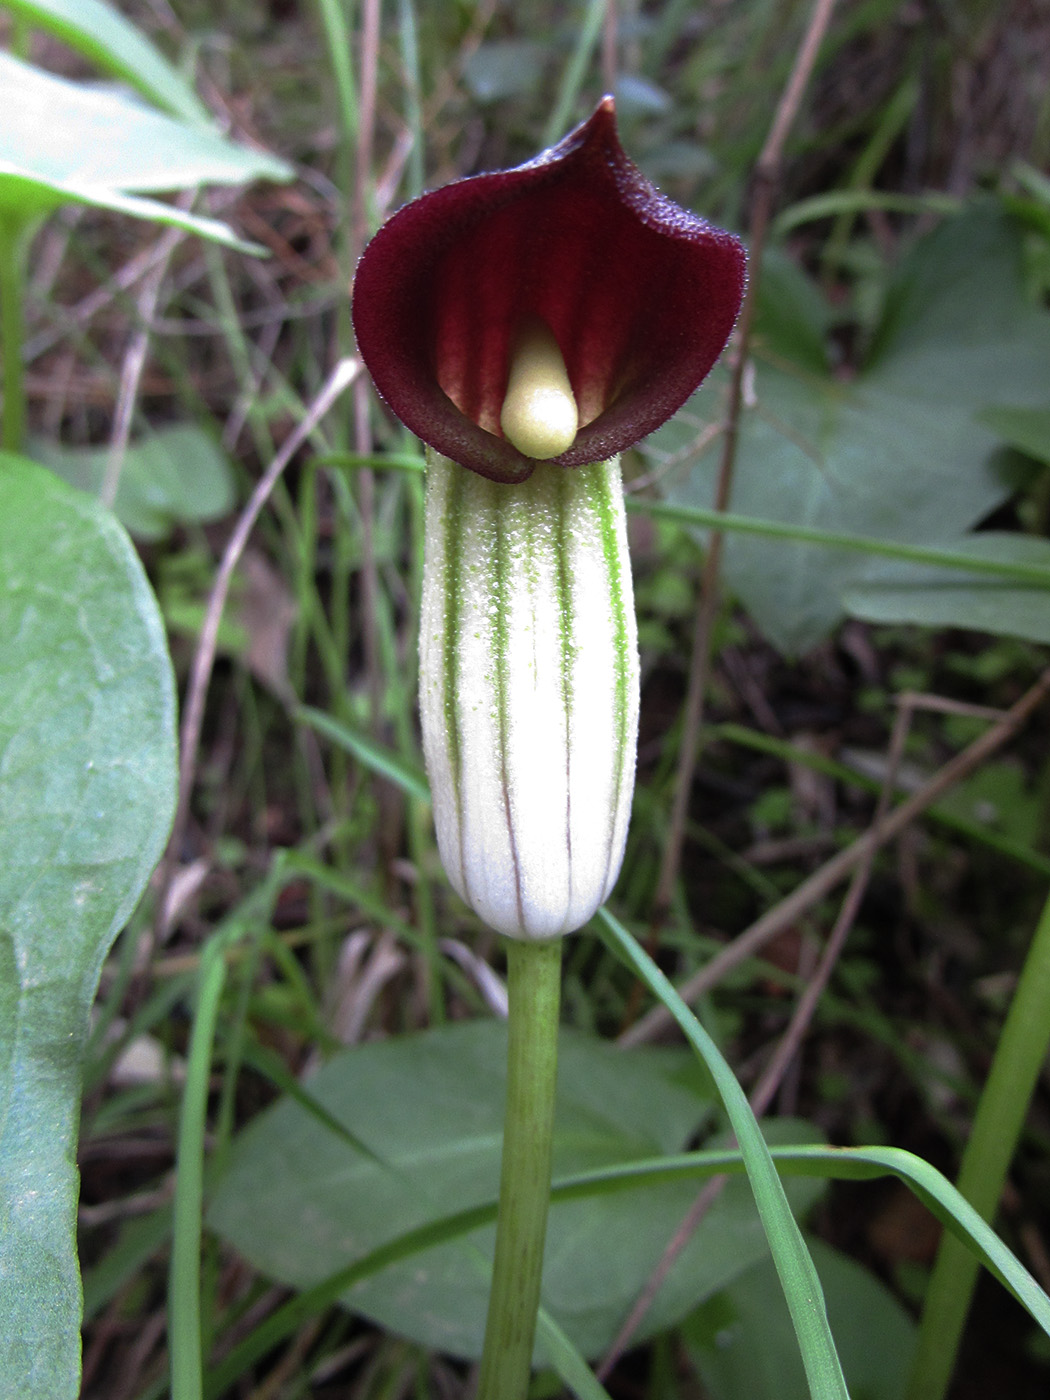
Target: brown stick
{"type": "Point", "coordinates": [767, 176]}
{"type": "Point", "coordinates": [822, 881]}
{"type": "Point", "coordinates": [344, 374]}
{"type": "Point", "coordinates": [767, 1086]}
{"type": "Point", "coordinates": [610, 45]}
{"type": "Point", "coordinates": [135, 362]}
{"type": "Point", "coordinates": [362, 398]}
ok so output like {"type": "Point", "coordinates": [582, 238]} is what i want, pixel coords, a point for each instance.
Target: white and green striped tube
{"type": "Point", "coordinates": [529, 690]}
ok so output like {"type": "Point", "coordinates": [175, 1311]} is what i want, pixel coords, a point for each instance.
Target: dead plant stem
{"type": "Point", "coordinates": [767, 178]}
{"type": "Point", "coordinates": [610, 45]}
{"type": "Point", "coordinates": [824, 880]}
{"type": "Point", "coordinates": [344, 374]}
{"type": "Point", "coordinates": [135, 363]}
{"type": "Point", "coordinates": [362, 401]}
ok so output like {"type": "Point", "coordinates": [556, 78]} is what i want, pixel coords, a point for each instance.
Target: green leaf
{"type": "Point", "coordinates": [102, 138]}
{"type": "Point", "coordinates": [792, 319]}
{"type": "Point", "coordinates": [25, 197]}
{"type": "Point", "coordinates": [854, 1164]}
{"type": "Point", "coordinates": [503, 68]}
{"type": "Point", "coordinates": [87, 791]}
{"type": "Point", "coordinates": [1026, 429]}
{"type": "Point", "coordinates": [932, 597]}
{"type": "Point", "coordinates": [742, 1343]}
{"type": "Point", "coordinates": [998, 795]}
{"type": "Point", "coordinates": [836, 202]}
{"type": "Point", "coordinates": [897, 453]}
{"type": "Point", "coordinates": [102, 34]}
{"type": "Point", "coordinates": [431, 1107]}
{"type": "Point", "coordinates": [941, 1197]}
{"type": "Point", "coordinates": [169, 477]}
{"type": "Point", "coordinates": [64, 142]}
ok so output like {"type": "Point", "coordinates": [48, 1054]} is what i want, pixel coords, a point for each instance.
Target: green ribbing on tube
{"type": "Point", "coordinates": [997, 1127]}
{"type": "Point", "coordinates": [534, 991]}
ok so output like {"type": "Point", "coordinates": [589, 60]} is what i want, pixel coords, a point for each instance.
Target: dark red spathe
{"type": "Point", "coordinates": [640, 294]}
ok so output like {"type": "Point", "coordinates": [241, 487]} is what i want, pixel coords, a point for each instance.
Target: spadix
{"type": "Point", "coordinates": [539, 413]}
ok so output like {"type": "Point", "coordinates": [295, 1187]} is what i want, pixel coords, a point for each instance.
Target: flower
{"type": "Point", "coordinates": [573, 259]}
{"type": "Point", "coordinates": [522, 323]}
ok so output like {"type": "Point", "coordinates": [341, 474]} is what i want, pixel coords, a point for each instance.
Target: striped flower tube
{"type": "Point", "coordinates": [529, 689]}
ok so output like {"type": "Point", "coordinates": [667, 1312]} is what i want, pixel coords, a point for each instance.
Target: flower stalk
{"type": "Point", "coordinates": [533, 993]}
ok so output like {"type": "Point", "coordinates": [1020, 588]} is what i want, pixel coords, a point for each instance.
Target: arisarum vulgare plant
{"type": "Point", "coordinates": [529, 325]}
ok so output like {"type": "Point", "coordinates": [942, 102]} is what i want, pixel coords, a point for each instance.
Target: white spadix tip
{"type": "Point", "coordinates": [539, 415]}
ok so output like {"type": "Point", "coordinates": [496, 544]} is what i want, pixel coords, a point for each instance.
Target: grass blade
{"type": "Point", "coordinates": [372, 755]}
{"type": "Point", "coordinates": [805, 1298]}
{"type": "Point", "coordinates": [1036, 575]}
{"type": "Point", "coordinates": [184, 1302]}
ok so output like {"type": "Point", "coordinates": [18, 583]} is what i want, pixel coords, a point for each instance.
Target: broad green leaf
{"type": "Point", "coordinates": [103, 138]}
{"type": "Point", "coordinates": [87, 790]}
{"type": "Point", "coordinates": [998, 795]}
{"type": "Point", "coordinates": [169, 477]}
{"type": "Point", "coordinates": [742, 1343]}
{"type": "Point", "coordinates": [25, 199]}
{"type": "Point", "coordinates": [898, 452]}
{"type": "Point", "coordinates": [792, 318]}
{"type": "Point", "coordinates": [854, 1164]}
{"type": "Point", "coordinates": [62, 141]}
{"type": "Point", "coordinates": [431, 1107]}
{"type": "Point", "coordinates": [1026, 429]}
{"type": "Point", "coordinates": [102, 34]}
{"type": "Point", "coordinates": [889, 592]}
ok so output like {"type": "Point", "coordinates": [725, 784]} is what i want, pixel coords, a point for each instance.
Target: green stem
{"type": "Point", "coordinates": [12, 245]}
{"type": "Point", "coordinates": [997, 1127]}
{"type": "Point", "coordinates": [1036, 574]}
{"type": "Point", "coordinates": [184, 1285]}
{"type": "Point", "coordinates": [533, 987]}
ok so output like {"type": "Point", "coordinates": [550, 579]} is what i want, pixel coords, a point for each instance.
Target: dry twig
{"type": "Point", "coordinates": [765, 1090]}
{"type": "Point", "coordinates": [767, 176]}
{"type": "Point", "coordinates": [344, 374]}
{"type": "Point", "coordinates": [824, 880]}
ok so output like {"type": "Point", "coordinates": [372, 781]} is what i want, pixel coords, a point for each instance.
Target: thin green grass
{"type": "Point", "coordinates": [798, 1277]}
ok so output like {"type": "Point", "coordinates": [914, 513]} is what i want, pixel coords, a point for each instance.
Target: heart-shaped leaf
{"type": "Point", "coordinates": [899, 452]}
{"type": "Point", "coordinates": [888, 591]}
{"type": "Point", "coordinates": [300, 1203]}
{"type": "Point", "coordinates": [743, 1345]}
